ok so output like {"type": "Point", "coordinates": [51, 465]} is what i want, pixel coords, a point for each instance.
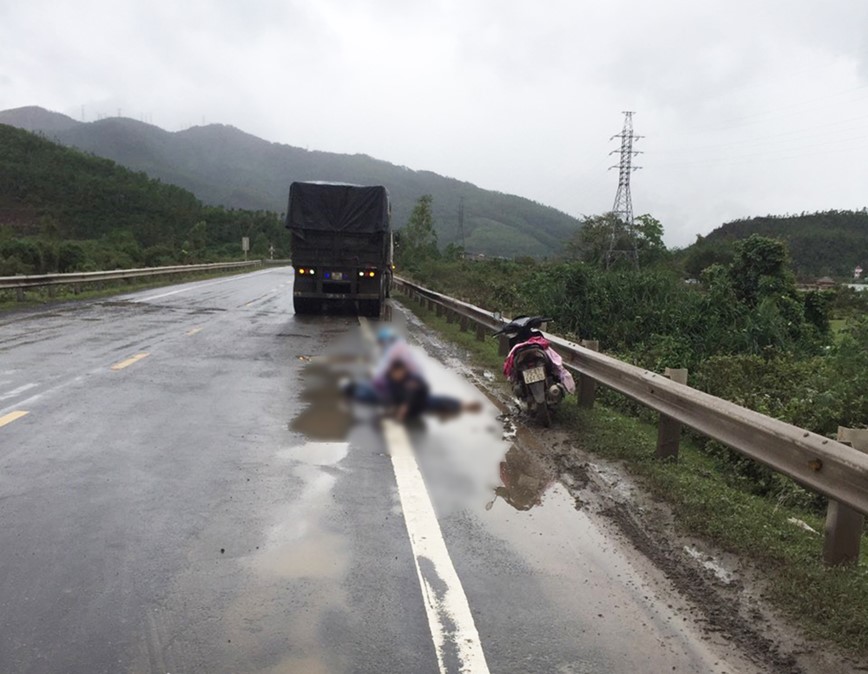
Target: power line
{"type": "Point", "coordinates": [795, 108]}
{"type": "Point", "coordinates": [774, 157]}
{"type": "Point", "coordinates": [772, 138]}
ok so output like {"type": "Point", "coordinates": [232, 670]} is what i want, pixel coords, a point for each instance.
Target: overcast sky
{"type": "Point", "coordinates": [746, 107]}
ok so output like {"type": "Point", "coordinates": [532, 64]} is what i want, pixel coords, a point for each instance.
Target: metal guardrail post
{"type": "Point", "coordinates": [463, 323]}
{"type": "Point", "coordinates": [587, 385]}
{"type": "Point", "coordinates": [19, 294]}
{"type": "Point", "coordinates": [480, 332]}
{"type": "Point", "coordinates": [844, 526]}
{"type": "Point", "coordinates": [669, 430]}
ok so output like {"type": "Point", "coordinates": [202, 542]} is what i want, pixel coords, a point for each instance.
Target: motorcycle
{"type": "Point", "coordinates": [539, 379]}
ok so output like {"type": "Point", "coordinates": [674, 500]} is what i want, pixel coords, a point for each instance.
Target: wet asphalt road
{"type": "Point", "coordinates": [208, 507]}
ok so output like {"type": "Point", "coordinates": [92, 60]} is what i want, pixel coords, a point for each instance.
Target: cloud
{"type": "Point", "coordinates": [747, 108]}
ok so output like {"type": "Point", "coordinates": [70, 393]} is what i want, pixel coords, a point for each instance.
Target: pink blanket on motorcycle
{"type": "Point", "coordinates": [554, 358]}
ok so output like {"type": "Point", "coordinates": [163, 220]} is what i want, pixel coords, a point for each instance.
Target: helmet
{"type": "Point", "coordinates": [386, 335]}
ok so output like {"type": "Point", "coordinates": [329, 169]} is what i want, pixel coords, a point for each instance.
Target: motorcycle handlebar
{"type": "Point", "coordinates": [528, 324]}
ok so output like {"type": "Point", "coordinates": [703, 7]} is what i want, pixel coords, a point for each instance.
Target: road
{"type": "Point", "coordinates": [185, 493]}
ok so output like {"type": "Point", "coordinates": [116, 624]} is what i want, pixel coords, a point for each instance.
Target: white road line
{"type": "Point", "coordinates": [453, 629]}
{"type": "Point", "coordinates": [18, 391]}
{"type": "Point", "coordinates": [201, 285]}
{"type": "Point", "coordinates": [34, 398]}
{"type": "Point", "coordinates": [449, 618]}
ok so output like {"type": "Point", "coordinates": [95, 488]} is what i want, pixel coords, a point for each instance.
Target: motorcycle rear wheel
{"type": "Point", "coordinates": [543, 415]}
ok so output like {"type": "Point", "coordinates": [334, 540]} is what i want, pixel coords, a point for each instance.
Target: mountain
{"type": "Point", "coordinates": [828, 243]}
{"type": "Point", "coordinates": [224, 165]}
{"type": "Point", "coordinates": [63, 210]}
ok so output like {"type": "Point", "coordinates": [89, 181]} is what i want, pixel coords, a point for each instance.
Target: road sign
{"type": "Point", "coordinates": [245, 243]}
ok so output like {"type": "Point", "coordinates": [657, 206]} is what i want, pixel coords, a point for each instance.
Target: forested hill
{"type": "Point", "coordinates": [64, 210]}
{"type": "Point", "coordinates": [830, 243]}
{"type": "Point", "coordinates": [223, 165]}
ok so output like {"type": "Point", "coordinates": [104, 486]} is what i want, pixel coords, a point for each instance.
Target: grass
{"type": "Point", "coordinates": [837, 326]}
{"type": "Point", "coordinates": [35, 297]}
{"type": "Point", "coordinates": [827, 603]}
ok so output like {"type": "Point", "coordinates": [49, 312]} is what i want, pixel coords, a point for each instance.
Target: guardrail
{"type": "Point", "coordinates": [821, 464]}
{"type": "Point", "coordinates": [21, 283]}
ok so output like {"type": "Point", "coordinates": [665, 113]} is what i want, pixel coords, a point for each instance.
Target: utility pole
{"type": "Point", "coordinates": [622, 239]}
{"type": "Point", "coordinates": [461, 221]}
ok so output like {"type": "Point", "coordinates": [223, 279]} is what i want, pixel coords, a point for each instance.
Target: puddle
{"type": "Point", "coordinates": [299, 544]}
{"type": "Point", "coordinates": [311, 665]}
{"type": "Point", "coordinates": [327, 415]}
{"type": "Point", "coordinates": [316, 453]}
{"type": "Point", "coordinates": [524, 480]}
{"type": "Point", "coordinates": [319, 555]}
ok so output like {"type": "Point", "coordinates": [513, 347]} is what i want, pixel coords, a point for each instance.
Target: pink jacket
{"type": "Point", "coordinates": [554, 358]}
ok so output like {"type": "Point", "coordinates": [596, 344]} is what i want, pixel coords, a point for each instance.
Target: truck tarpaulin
{"type": "Point", "coordinates": [337, 208]}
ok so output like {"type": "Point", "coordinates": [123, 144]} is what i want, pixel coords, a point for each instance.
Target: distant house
{"type": "Point", "coordinates": [826, 283]}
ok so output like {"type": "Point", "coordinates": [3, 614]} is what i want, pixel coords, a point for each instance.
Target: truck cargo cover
{"type": "Point", "coordinates": [336, 207]}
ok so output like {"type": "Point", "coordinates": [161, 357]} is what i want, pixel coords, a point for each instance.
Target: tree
{"type": "Point", "coordinates": [70, 257]}
{"type": "Point", "coordinates": [649, 239]}
{"type": "Point", "coordinates": [259, 246]}
{"type": "Point", "coordinates": [761, 268]}
{"type": "Point", "coordinates": [418, 240]}
{"type": "Point", "coordinates": [592, 242]}
{"type": "Point", "coordinates": [198, 236]}
{"type": "Point", "coordinates": [453, 252]}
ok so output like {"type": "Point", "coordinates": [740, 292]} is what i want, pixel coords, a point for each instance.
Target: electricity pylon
{"type": "Point", "coordinates": [622, 239]}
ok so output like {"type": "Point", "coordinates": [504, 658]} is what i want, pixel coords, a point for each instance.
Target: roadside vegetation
{"type": "Point", "coordinates": [746, 333]}
{"type": "Point", "coordinates": [713, 499]}
{"type": "Point", "coordinates": [62, 210]}
{"type": "Point", "coordinates": [828, 243]}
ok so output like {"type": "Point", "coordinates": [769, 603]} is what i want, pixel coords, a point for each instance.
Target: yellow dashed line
{"type": "Point", "coordinates": [194, 331]}
{"type": "Point", "coordinates": [129, 361]}
{"type": "Point", "coordinates": [12, 416]}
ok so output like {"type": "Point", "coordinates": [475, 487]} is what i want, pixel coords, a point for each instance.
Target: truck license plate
{"type": "Point", "coordinates": [337, 276]}
{"type": "Point", "coordinates": [534, 374]}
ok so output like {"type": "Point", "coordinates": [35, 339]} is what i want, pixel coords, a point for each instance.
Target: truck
{"type": "Point", "coordinates": [341, 246]}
